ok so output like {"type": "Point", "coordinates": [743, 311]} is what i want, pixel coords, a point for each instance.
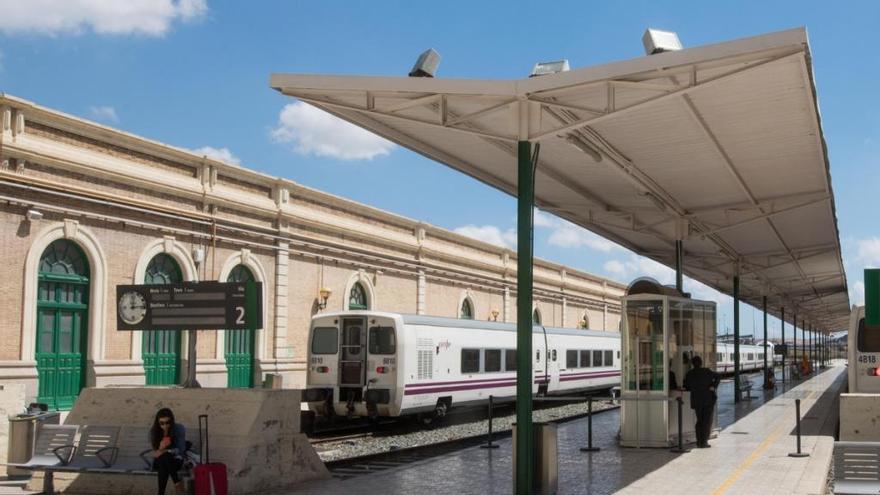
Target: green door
{"type": "Point", "coordinates": [161, 348]}
{"type": "Point", "coordinates": [240, 343]}
{"type": "Point", "coordinates": [62, 310]}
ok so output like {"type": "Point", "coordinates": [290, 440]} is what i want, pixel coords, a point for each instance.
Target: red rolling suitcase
{"type": "Point", "coordinates": [210, 477]}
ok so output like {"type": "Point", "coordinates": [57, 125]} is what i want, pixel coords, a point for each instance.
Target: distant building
{"type": "Point", "coordinates": [85, 208]}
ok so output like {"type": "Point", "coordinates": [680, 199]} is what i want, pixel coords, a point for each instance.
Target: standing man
{"type": "Point", "coordinates": [702, 383]}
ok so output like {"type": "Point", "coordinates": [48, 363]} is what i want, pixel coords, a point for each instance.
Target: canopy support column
{"type": "Point", "coordinates": [782, 319]}
{"type": "Point", "coordinates": [736, 385]}
{"type": "Point", "coordinates": [524, 286]}
{"type": "Point", "coordinates": [679, 262]}
{"type": "Point", "coordinates": [767, 371]}
{"type": "Point", "coordinates": [804, 341]}
{"type": "Point", "coordinates": [794, 338]}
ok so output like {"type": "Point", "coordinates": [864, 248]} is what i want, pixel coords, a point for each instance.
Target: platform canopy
{"type": "Point", "coordinates": [719, 145]}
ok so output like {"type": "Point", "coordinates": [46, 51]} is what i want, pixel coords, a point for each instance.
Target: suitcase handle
{"type": "Point", "coordinates": [203, 438]}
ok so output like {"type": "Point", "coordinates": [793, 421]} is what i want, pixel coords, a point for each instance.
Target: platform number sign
{"type": "Point", "coordinates": [190, 306]}
{"type": "Point", "coordinates": [872, 297]}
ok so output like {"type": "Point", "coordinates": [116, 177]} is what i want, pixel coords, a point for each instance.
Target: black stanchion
{"type": "Point", "coordinates": [680, 449]}
{"type": "Point", "coordinates": [489, 444]}
{"type": "Point", "coordinates": [797, 409]}
{"type": "Point", "coordinates": [589, 447]}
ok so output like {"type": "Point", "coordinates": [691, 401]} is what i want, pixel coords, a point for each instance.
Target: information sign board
{"type": "Point", "coordinates": [190, 306]}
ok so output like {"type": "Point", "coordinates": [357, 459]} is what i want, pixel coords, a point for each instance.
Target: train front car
{"type": "Point", "coordinates": [863, 348]}
{"type": "Point", "coordinates": [353, 364]}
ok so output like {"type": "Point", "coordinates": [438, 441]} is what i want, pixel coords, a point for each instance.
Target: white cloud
{"type": "Point", "coordinates": [639, 266]}
{"type": "Point", "coordinates": [568, 235]}
{"type": "Point", "coordinates": [869, 252]}
{"type": "Point", "coordinates": [490, 234]}
{"type": "Point", "coordinates": [104, 113]}
{"type": "Point", "coordinates": [314, 131]}
{"type": "Point", "coordinates": [117, 17]}
{"type": "Point", "coordinates": [857, 293]}
{"type": "Point", "coordinates": [219, 154]}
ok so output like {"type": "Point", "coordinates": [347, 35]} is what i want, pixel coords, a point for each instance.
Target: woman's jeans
{"type": "Point", "coordinates": [167, 465]}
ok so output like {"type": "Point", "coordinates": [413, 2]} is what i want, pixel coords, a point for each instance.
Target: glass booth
{"type": "Point", "coordinates": [661, 333]}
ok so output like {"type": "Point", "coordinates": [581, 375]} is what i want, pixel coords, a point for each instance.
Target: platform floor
{"type": "Point", "coordinates": [750, 455]}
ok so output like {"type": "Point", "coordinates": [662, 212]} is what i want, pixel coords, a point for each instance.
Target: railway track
{"type": "Point", "coordinates": [367, 464]}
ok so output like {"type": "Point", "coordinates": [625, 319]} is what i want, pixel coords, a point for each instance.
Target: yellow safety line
{"type": "Point", "coordinates": [754, 456]}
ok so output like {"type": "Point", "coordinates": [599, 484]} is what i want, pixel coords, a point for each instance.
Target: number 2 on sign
{"type": "Point", "coordinates": [240, 319]}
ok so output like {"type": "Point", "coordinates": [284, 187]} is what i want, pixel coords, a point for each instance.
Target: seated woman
{"type": "Point", "coordinates": [168, 440]}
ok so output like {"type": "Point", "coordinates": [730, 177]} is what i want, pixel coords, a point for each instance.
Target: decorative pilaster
{"type": "Point", "coordinates": [506, 303]}
{"type": "Point", "coordinates": [282, 261]}
{"type": "Point", "coordinates": [421, 290]}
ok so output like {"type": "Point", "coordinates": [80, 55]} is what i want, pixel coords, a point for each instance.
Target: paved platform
{"type": "Point", "coordinates": [750, 455]}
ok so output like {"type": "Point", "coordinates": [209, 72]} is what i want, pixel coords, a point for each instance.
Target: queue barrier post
{"type": "Point", "coordinates": [589, 447]}
{"type": "Point", "coordinates": [489, 444]}
{"type": "Point", "coordinates": [797, 408]}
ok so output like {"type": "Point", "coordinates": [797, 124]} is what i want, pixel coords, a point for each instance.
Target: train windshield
{"type": "Point", "coordinates": [325, 340]}
{"type": "Point", "coordinates": [868, 337]}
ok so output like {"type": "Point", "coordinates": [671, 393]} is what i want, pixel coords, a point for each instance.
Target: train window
{"type": "Point", "coordinates": [510, 360]}
{"type": "Point", "coordinates": [554, 355]}
{"type": "Point", "coordinates": [585, 359]}
{"type": "Point", "coordinates": [538, 355]}
{"type": "Point", "coordinates": [382, 340]}
{"type": "Point", "coordinates": [609, 358]}
{"type": "Point", "coordinates": [470, 360]}
{"type": "Point", "coordinates": [571, 359]}
{"type": "Point", "coordinates": [751, 356]}
{"type": "Point", "coordinates": [492, 360]}
{"type": "Point", "coordinates": [597, 359]}
{"type": "Point", "coordinates": [325, 340]}
{"type": "Point", "coordinates": [868, 338]}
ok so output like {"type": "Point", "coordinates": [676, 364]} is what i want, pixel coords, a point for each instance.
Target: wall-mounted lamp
{"type": "Point", "coordinates": [494, 314]}
{"type": "Point", "coordinates": [323, 295]}
{"type": "Point", "coordinates": [34, 215]}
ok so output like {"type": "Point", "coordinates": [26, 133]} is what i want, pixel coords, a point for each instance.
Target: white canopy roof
{"type": "Point", "coordinates": [720, 145]}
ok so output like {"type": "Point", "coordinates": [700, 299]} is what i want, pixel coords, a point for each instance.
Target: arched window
{"type": "Point", "coordinates": [536, 317]}
{"type": "Point", "coordinates": [161, 348]}
{"type": "Point", "coordinates": [62, 310]}
{"type": "Point", "coordinates": [585, 321]}
{"type": "Point", "coordinates": [467, 310]}
{"type": "Point", "coordinates": [239, 352]}
{"type": "Point", "coordinates": [357, 297]}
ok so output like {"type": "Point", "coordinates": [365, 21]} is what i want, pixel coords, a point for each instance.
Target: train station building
{"type": "Point", "coordinates": [87, 207]}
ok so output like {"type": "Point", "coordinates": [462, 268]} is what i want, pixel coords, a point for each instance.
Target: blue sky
{"type": "Point", "coordinates": [194, 73]}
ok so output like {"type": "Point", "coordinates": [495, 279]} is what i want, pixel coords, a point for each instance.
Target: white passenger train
{"type": "Point", "coordinates": [368, 363]}
{"type": "Point", "coordinates": [751, 357]}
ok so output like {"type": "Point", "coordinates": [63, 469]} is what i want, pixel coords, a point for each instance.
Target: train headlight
{"type": "Point", "coordinates": [323, 369]}
{"type": "Point", "coordinates": [382, 370]}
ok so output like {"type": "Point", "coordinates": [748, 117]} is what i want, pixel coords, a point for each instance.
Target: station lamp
{"type": "Point", "coordinates": [657, 41]}
{"type": "Point", "coordinates": [426, 65]}
{"type": "Point", "coordinates": [323, 295]}
{"type": "Point", "coordinates": [494, 314]}
{"type": "Point", "coordinates": [544, 68]}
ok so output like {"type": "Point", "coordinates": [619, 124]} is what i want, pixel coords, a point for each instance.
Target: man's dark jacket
{"type": "Point", "coordinates": [699, 381]}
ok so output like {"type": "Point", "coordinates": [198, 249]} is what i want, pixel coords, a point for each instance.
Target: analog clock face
{"type": "Point", "coordinates": [132, 307]}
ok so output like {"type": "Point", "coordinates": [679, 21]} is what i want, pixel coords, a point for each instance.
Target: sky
{"type": "Point", "coordinates": [194, 74]}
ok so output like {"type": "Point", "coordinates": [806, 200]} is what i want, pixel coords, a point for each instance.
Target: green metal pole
{"type": "Point", "coordinates": [804, 339]}
{"type": "Point", "coordinates": [794, 338]}
{"type": "Point", "coordinates": [766, 382]}
{"type": "Point", "coordinates": [736, 386]}
{"type": "Point", "coordinates": [524, 286]}
{"type": "Point", "coordinates": [782, 319]}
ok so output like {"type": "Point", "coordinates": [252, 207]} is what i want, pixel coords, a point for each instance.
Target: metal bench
{"type": "Point", "coordinates": [96, 448]}
{"type": "Point", "coordinates": [746, 386]}
{"type": "Point", "coordinates": [54, 449]}
{"type": "Point", "coordinates": [856, 468]}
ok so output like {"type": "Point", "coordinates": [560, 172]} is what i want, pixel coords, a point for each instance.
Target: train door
{"type": "Point", "coordinates": [555, 355]}
{"type": "Point", "coordinates": [864, 349]}
{"type": "Point", "coordinates": [352, 362]}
